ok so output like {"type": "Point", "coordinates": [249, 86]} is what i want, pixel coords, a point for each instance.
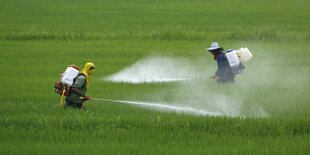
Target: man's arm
{"type": "Point", "coordinates": [220, 67]}
{"type": "Point", "coordinates": [78, 92]}
{"type": "Point", "coordinates": [80, 82]}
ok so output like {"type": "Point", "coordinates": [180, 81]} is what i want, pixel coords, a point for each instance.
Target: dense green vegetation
{"type": "Point", "coordinates": [38, 39]}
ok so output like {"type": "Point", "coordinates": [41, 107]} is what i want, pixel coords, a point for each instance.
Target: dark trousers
{"type": "Point", "coordinates": [74, 104]}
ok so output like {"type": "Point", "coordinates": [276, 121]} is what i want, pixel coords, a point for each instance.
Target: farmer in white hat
{"type": "Point", "coordinates": [224, 73]}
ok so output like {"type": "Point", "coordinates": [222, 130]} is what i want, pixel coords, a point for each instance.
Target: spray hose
{"type": "Point", "coordinates": [102, 99]}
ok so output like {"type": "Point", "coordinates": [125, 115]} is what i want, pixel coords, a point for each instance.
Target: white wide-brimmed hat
{"type": "Point", "coordinates": [214, 46]}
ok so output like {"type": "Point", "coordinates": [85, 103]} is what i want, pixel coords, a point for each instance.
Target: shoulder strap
{"type": "Point", "coordinates": [80, 74]}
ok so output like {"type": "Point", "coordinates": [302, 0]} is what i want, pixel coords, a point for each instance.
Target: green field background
{"type": "Point", "coordinates": [40, 38]}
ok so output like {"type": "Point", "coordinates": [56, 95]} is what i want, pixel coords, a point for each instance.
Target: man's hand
{"type": "Point", "coordinates": [215, 77]}
{"type": "Point", "coordinates": [87, 98]}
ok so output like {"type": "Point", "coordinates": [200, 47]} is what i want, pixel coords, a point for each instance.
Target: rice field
{"type": "Point", "coordinates": [265, 112]}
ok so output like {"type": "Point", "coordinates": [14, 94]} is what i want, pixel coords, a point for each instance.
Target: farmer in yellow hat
{"type": "Point", "coordinates": [77, 95]}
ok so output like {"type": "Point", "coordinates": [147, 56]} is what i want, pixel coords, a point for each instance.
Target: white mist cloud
{"type": "Point", "coordinates": [157, 69]}
{"type": "Point", "coordinates": [197, 95]}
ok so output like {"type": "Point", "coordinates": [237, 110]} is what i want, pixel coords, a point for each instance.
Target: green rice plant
{"type": "Point", "coordinates": [38, 40]}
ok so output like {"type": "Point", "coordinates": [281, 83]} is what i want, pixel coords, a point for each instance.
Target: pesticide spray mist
{"type": "Point", "coordinates": [191, 94]}
{"type": "Point", "coordinates": [156, 69]}
{"type": "Point", "coordinates": [164, 107]}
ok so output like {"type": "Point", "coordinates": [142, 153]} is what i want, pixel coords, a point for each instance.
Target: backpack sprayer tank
{"type": "Point", "coordinates": [244, 54]}
{"type": "Point", "coordinates": [234, 62]}
{"type": "Point", "coordinates": [68, 76]}
{"type": "Point", "coordinates": [62, 87]}
{"type": "Point", "coordinates": [232, 58]}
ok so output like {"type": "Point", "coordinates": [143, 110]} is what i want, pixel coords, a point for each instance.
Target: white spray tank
{"type": "Point", "coordinates": [244, 54]}
{"type": "Point", "coordinates": [68, 76]}
{"type": "Point", "coordinates": [232, 58]}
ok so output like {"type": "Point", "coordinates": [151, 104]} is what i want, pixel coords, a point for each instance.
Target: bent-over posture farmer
{"type": "Point", "coordinates": [224, 73]}
{"type": "Point", "coordinates": [77, 96]}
